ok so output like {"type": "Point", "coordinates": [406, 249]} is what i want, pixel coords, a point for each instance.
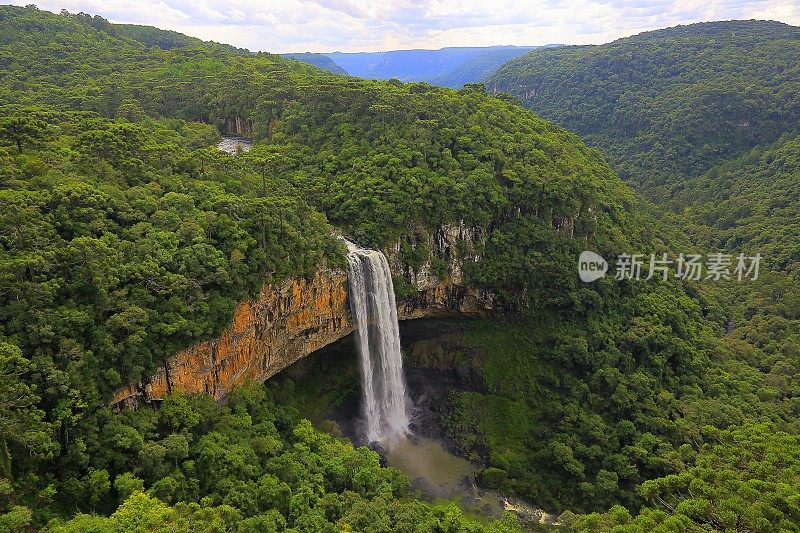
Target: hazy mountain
{"type": "Point", "coordinates": [478, 68]}
{"type": "Point", "coordinates": [318, 60]}
{"type": "Point", "coordinates": [449, 67]}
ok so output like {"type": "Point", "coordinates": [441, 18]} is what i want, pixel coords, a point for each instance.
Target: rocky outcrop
{"type": "Point", "coordinates": [286, 322]}
{"type": "Point", "coordinates": [242, 127]}
{"type": "Point", "coordinates": [439, 277]}
{"type": "Point", "coordinates": [293, 319]}
{"type": "Point", "coordinates": [450, 246]}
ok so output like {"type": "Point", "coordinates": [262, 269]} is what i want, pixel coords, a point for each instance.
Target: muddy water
{"type": "Point", "coordinates": [437, 473]}
{"type": "Point", "coordinates": [430, 467]}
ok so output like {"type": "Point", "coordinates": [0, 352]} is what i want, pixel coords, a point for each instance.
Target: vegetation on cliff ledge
{"type": "Point", "coordinates": [126, 236]}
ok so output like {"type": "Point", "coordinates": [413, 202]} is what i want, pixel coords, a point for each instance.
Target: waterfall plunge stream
{"type": "Point", "coordinates": [385, 401]}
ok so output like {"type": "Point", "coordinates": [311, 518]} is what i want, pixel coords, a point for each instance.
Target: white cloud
{"type": "Point", "coordinates": [353, 25]}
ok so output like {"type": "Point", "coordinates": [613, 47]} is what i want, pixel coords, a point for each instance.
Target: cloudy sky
{"type": "Point", "coordinates": [369, 25]}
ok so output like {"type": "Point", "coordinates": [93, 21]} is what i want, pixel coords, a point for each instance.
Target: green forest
{"type": "Point", "coordinates": [621, 405]}
{"type": "Point", "coordinates": [669, 104]}
{"type": "Point", "coordinates": [702, 121]}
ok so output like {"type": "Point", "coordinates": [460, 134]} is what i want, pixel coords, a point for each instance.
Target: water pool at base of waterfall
{"type": "Point", "coordinates": [328, 386]}
{"type": "Point", "coordinates": [234, 145]}
{"type": "Point", "coordinates": [438, 474]}
{"type": "Point", "coordinates": [430, 468]}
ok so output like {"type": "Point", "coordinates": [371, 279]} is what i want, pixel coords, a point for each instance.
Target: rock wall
{"type": "Point", "coordinates": [289, 321]}
{"type": "Point", "coordinates": [441, 293]}
{"type": "Point", "coordinates": [451, 244]}
{"type": "Point", "coordinates": [236, 126]}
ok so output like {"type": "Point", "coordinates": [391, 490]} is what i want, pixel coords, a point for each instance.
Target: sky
{"type": "Point", "coordinates": [371, 25]}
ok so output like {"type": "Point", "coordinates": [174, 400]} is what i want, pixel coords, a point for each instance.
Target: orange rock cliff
{"type": "Point", "coordinates": [293, 319]}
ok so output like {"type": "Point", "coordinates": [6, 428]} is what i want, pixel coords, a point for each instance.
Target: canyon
{"type": "Point", "coordinates": [296, 317]}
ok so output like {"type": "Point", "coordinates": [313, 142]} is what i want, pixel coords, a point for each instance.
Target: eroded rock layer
{"type": "Point", "coordinates": [293, 319]}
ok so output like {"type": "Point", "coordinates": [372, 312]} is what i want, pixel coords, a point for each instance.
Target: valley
{"type": "Point", "coordinates": [447, 67]}
{"type": "Point", "coordinates": [189, 343]}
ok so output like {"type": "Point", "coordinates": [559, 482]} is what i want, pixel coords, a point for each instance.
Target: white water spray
{"type": "Point", "coordinates": [386, 411]}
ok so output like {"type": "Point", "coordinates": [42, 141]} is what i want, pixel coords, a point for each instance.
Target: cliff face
{"type": "Point", "coordinates": [236, 126]}
{"type": "Point", "coordinates": [441, 293]}
{"type": "Point", "coordinates": [289, 321]}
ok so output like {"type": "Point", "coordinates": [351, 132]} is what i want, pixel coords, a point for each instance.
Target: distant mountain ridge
{"type": "Point", "coordinates": [448, 67]}
{"type": "Point", "coordinates": [318, 60]}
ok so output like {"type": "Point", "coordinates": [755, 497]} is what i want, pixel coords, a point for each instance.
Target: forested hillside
{"type": "Point", "coordinates": [751, 199]}
{"type": "Point", "coordinates": [753, 202]}
{"type": "Point", "coordinates": [702, 119]}
{"type": "Point", "coordinates": [669, 104]}
{"type": "Point", "coordinates": [126, 236]}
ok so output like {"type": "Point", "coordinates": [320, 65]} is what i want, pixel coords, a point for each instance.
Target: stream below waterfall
{"type": "Point", "coordinates": [437, 473]}
{"type": "Point", "coordinates": [327, 385]}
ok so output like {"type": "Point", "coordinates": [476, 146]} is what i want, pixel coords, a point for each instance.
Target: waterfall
{"type": "Point", "coordinates": [374, 312]}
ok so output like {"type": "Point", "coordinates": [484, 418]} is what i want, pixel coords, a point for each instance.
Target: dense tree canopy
{"type": "Point", "coordinates": [248, 466]}
{"type": "Point", "coordinates": [744, 479]}
{"type": "Point", "coordinates": [703, 119]}
{"type": "Point", "coordinates": [668, 104]}
{"type": "Point", "coordinates": [125, 236]}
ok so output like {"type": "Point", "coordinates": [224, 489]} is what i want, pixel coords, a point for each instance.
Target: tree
{"type": "Point", "coordinates": [176, 447]}
{"type": "Point", "coordinates": [8, 170]}
{"type": "Point", "coordinates": [131, 110]}
{"type": "Point", "coordinates": [270, 522]}
{"type": "Point", "coordinates": [126, 484]}
{"type": "Point", "coordinates": [21, 421]}
{"type": "Point", "coordinates": [22, 131]}
{"type": "Point", "coordinates": [141, 512]}
{"type": "Point", "coordinates": [98, 485]}
{"type": "Point", "coordinates": [16, 519]}
{"type": "Point", "coordinates": [176, 413]}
